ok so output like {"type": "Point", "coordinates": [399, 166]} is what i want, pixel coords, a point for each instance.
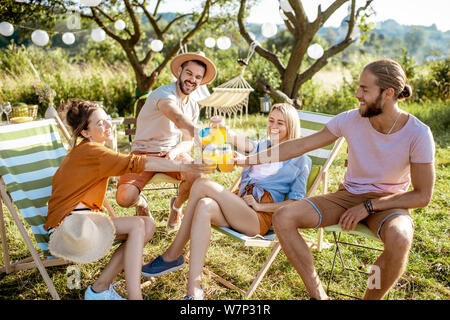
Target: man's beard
{"type": "Point", "coordinates": [372, 109]}
{"type": "Point", "coordinates": [182, 89]}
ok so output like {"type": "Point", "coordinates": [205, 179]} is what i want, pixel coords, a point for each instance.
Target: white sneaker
{"type": "Point", "coordinates": [199, 296]}
{"type": "Point", "coordinates": [109, 294]}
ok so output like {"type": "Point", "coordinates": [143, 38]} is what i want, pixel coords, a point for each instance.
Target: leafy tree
{"type": "Point", "coordinates": [296, 72]}
{"type": "Point", "coordinates": [133, 40]}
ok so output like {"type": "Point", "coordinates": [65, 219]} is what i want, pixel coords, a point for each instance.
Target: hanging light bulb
{"type": "Point", "coordinates": [156, 45]}
{"type": "Point", "coordinates": [98, 34]}
{"type": "Point", "coordinates": [120, 24]}
{"type": "Point", "coordinates": [269, 29]}
{"type": "Point", "coordinates": [40, 38]}
{"type": "Point", "coordinates": [223, 43]}
{"type": "Point", "coordinates": [91, 3]}
{"type": "Point", "coordinates": [68, 38]}
{"type": "Point", "coordinates": [6, 29]}
{"type": "Point", "coordinates": [286, 6]}
{"type": "Point", "coordinates": [210, 42]}
{"type": "Point", "coordinates": [315, 51]}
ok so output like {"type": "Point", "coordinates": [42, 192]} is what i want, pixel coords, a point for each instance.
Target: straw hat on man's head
{"type": "Point", "coordinates": [210, 72]}
{"type": "Point", "coordinates": [82, 237]}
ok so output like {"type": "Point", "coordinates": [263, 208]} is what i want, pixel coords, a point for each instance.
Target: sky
{"type": "Point", "coordinates": [407, 12]}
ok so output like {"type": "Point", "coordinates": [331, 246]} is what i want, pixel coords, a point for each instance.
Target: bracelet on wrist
{"type": "Point", "coordinates": [369, 207]}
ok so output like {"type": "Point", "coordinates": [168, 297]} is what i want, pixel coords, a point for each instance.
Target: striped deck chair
{"type": "Point", "coordinates": [30, 153]}
{"type": "Point", "coordinates": [311, 122]}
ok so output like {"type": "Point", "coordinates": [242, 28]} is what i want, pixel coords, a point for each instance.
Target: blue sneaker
{"type": "Point", "coordinates": [108, 294]}
{"type": "Point", "coordinates": [159, 267]}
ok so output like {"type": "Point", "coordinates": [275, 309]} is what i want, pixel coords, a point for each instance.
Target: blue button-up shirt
{"type": "Point", "coordinates": [279, 179]}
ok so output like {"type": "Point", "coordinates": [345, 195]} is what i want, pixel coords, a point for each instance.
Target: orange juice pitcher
{"type": "Point", "coordinates": [209, 156]}
{"type": "Point", "coordinates": [224, 157]}
{"type": "Point", "coordinates": [218, 130]}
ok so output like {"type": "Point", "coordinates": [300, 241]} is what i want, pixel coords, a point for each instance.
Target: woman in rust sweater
{"type": "Point", "coordinates": [80, 184]}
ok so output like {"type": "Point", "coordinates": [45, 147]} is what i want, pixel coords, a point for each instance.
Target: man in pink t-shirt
{"type": "Point", "coordinates": [388, 149]}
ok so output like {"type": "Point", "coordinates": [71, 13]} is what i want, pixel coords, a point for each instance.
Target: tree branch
{"type": "Point", "coordinates": [155, 12]}
{"type": "Point", "coordinates": [100, 23]}
{"type": "Point", "coordinates": [273, 58]}
{"type": "Point", "coordinates": [201, 21]}
{"type": "Point", "coordinates": [152, 20]}
{"type": "Point", "coordinates": [110, 18]}
{"type": "Point", "coordinates": [175, 20]}
{"type": "Point", "coordinates": [301, 20]}
{"type": "Point", "coordinates": [137, 29]}
{"type": "Point", "coordinates": [324, 16]}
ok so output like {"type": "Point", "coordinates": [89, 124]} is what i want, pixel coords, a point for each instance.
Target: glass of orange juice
{"type": "Point", "coordinates": [209, 156]}
{"type": "Point", "coordinates": [205, 136]}
{"type": "Point", "coordinates": [224, 157]}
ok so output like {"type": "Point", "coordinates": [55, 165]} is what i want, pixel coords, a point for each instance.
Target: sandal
{"type": "Point", "coordinates": [174, 219]}
{"type": "Point", "coordinates": [143, 211]}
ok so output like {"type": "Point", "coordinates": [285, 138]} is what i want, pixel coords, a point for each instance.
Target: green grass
{"type": "Point", "coordinates": [426, 276]}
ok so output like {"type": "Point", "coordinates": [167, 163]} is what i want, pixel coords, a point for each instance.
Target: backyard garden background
{"type": "Point", "coordinates": [100, 71]}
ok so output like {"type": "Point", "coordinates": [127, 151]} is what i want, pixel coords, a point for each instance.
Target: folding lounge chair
{"type": "Point", "coordinates": [30, 153]}
{"type": "Point", "coordinates": [311, 122]}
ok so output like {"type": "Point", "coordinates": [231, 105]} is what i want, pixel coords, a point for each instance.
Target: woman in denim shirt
{"type": "Point", "coordinates": [263, 189]}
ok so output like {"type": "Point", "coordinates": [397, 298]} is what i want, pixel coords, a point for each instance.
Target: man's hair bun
{"type": "Point", "coordinates": [406, 92]}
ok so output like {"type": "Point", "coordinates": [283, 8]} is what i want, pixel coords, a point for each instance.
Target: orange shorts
{"type": "Point", "coordinates": [264, 218]}
{"type": "Point", "coordinates": [140, 180]}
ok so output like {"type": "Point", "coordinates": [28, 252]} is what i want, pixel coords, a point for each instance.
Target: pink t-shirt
{"type": "Point", "coordinates": [380, 162]}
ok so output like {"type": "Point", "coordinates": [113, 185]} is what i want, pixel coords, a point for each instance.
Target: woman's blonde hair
{"type": "Point", "coordinates": [291, 119]}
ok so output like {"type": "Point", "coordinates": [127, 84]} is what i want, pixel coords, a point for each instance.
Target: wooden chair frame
{"type": "Point", "coordinates": [159, 177]}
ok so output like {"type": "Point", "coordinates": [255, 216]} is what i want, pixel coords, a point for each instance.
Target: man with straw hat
{"type": "Point", "coordinates": [165, 128]}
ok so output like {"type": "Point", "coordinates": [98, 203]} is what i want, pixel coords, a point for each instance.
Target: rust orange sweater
{"type": "Point", "coordinates": [83, 177]}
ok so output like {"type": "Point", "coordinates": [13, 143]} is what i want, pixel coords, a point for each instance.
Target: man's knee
{"type": "Point", "coordinates": [127, 195]}
{"type": "Point", "coordinates": [294, 216]}
{"type": "Point", "coordinates": [283, 217]}
{"type": "Point", "coordinates": [398, 236]}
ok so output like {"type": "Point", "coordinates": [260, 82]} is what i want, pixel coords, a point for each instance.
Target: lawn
{"type": "Point", "coordinates": [426, 277]}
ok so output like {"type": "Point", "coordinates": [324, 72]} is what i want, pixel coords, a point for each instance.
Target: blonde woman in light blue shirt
{"type": "Point", "coordinates": [263, 189]}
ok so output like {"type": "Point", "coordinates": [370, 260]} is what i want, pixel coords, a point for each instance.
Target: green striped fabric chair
{"type": "Point", "coordinates": [30, 153]}
{"type": "Point", "coordinates": [322, 159]}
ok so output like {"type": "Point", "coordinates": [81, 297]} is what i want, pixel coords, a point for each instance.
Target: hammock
{"type": "Point", "coordinates": [230, 97]}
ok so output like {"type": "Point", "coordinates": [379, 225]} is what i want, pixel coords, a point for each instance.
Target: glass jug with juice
{"type": "Point", "coordinates": [224, 155]}
{"type": "Point", "coordinates": [209, 156]}
{"type": "Point", "coordinates": [218, 130]}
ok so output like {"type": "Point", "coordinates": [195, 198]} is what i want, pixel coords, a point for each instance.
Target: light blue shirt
{"type": "Point", "coordinates": [288, 177]}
